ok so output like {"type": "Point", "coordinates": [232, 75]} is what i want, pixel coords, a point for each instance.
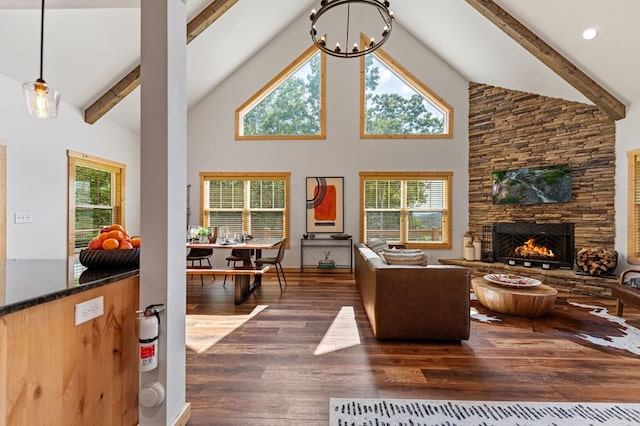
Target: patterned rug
{"type": "Point", "coordinates": [405, 412]}
{"type": "Point", "coordinates": [587, 325]}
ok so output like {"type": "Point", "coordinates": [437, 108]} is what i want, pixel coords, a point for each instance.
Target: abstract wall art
{"type": "Point", "coordinates": [325, 204]}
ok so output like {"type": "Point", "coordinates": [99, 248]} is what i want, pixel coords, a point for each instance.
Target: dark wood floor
{"type": "Point", "coordinates": [265, 372]}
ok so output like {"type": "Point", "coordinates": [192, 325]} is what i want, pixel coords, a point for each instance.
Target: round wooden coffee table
{"type": "Point", "coordinates": [528, 302]}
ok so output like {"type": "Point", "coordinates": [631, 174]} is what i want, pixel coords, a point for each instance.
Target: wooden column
{"type": "Point", "coordinates": [163, 193]}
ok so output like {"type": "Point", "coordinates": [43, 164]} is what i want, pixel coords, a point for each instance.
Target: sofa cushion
{"type": "Point", "coordinates": [632, 281]}
{"type": "Point", "coordinates": [399, 257]}
{"type": "Point", "coordinates": [378, 244]}
{"type": "Point", "coordinates": [405, 251]}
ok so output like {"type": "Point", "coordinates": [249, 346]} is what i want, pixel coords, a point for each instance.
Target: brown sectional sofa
{"type": "Point", "coordinates": [413, 302]}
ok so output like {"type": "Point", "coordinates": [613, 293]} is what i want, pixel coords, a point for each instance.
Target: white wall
{"type": "Point", "coordinates": [37, 170]}
{"type": "Point", "coordinates": [627, 138]}
{"type": "Point", "coordinates": [212, 147]}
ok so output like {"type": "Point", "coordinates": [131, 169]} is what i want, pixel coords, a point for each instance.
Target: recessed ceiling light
{"type": "Point", "coordinates": [590, 33]}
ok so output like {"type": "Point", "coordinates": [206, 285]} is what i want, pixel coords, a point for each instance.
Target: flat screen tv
{"type": "Point", "coordinates": [532, 185]}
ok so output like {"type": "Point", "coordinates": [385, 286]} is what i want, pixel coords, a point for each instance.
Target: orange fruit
{"type": "Point", "coordinates": [103, 236]}
{"type": "Point", "coordinates": [118, 235]}
{"type": "Point", "coordinates": [136, 241]}
{"type": "Point", "coordinates": [126, 245]}
{"type": "Point", "coordinates": [95, 244]}
{"type": "Point", "coordinates": [116, 227]}
{"type": "Point", "coordinates": [110, 244]}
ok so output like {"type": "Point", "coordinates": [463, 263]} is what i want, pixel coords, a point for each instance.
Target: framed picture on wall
{"type": "Point", "coordinates": [325, 204]}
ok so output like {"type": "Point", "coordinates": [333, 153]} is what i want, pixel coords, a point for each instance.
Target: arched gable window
{"type": "Point", "coordinates": [395, 104]}
{"type": "Point", "coordinates": [291, 106]}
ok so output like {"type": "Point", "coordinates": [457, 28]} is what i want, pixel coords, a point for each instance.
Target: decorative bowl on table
{"type": "Point", "coordinates": [512, 280]}
{"type": "Point", "coordinates": [108, 259]}
{"type": "Point", "coordinates": [340, 236]}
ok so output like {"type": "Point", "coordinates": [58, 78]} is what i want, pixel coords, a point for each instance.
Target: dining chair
{"type": "Point", "coordinates": [276, 262]}
{"type": "Point", "coordinates": [237, 255]}
{"type": "Point", "coordinates": [200, 254]}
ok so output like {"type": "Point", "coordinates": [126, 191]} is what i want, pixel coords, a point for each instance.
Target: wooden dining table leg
{"type": "Point", "coordinates": [257, 280]}
{"type": "Point", "coordinates": [241, 288]}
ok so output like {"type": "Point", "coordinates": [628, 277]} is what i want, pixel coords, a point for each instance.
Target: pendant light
{"type": "Point", "coordinates": [42, 100]}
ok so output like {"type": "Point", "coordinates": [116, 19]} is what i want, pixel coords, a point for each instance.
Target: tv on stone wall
{"type": "Point", "coordinates": [532, 185]}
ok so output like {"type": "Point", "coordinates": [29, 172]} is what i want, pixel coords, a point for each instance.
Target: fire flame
{"type": "Point", "coordinates": [530, 249]}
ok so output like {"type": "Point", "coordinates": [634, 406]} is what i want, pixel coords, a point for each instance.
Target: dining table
{"type": "Point", "coordinates": [256, 245]}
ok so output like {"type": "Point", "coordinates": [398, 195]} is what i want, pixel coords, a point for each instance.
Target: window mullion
{"type": "Point", "coordinates": [404, 223]}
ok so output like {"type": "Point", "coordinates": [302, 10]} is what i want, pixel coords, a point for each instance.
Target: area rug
{"type": "Point", "coordinates": [587, 325]}
{"type": "Point", "coordinates": [405, 412]}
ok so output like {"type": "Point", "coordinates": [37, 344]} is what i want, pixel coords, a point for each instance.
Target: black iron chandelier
{"type": "Point", "coordinates": [385, 24]}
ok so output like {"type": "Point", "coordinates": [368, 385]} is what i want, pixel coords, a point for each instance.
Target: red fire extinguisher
{"type": "Point", "coordinates": [149, 331]}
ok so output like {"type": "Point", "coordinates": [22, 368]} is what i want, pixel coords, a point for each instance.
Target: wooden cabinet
{"type": "Point", "coordinates": [54, 372]}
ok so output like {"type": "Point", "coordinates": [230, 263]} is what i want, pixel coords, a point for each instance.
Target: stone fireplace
{"type": "Point", "coordinates": [546, 245]}
{"type": "Point", "coordinates": [510, 129]}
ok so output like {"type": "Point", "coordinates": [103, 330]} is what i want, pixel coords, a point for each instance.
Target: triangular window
{"type": "Point", "coordinates": [291, 106]}
{"type": "Point", "coordinates": [395, 104]}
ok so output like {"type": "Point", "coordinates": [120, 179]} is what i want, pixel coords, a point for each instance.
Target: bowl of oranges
{"type": "Point", "coordinates": [112, 248]}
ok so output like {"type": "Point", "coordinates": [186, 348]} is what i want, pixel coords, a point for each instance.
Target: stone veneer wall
{"type": "Point", "coordinates": [509, 129]}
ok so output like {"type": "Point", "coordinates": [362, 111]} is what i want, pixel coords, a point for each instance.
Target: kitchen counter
{"type": "Point", "coordinates": [60, 370]}
{"type": "Point", "coordinates": [29, 282]}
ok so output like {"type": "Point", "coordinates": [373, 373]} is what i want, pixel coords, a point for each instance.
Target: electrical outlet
{"type": "Point", "coordinates": [22, 217]}
{"type": "Point", "coordinates": [89, 310]}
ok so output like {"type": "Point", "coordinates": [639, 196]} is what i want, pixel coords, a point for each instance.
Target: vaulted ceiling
{"type": "Point", "coordinates": [90, 45]}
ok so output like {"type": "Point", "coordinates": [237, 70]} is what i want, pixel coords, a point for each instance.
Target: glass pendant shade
{"type": "Point", "coordinates": [42, 100]}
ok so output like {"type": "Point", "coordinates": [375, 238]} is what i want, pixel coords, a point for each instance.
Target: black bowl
{"type": "Point", "coordinates": [340, 236]}
{"type": "Point", "coordinates": [108, 259]}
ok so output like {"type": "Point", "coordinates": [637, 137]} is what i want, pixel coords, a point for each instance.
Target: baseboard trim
{"type": "Point", "coordinates": [184, 416]}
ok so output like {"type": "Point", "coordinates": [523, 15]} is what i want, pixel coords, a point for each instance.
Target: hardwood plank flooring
{"type": "Point", "coordinates": [265, 371]}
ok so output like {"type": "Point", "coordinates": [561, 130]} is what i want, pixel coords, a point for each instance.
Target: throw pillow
{"type": "Point", "coordinates": [400, 258]}
{"type": "Point", "coordinates": [633, 282]}
{"type": "Point", "coordinates": [378, 244]}
{"type": "Point", "coordinates": [406, 251]}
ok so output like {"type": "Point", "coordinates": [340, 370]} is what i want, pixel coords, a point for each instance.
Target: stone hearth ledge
{"type": "Point", "coordinates": [564, 280]}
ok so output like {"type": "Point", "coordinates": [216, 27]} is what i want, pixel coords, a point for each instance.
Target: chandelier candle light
{"type": "Point", "coordinates": [42, 100]}
{"type": "Point", "coordinates": [380, 7]}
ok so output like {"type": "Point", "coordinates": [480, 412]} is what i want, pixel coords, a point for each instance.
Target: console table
{"type": "Point", "coordinates": [326, 243]}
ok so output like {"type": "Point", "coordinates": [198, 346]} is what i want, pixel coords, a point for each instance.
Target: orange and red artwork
{"type": "Point", "coordinates": [325, 210]}
{"type": "Point", "coordinates": [324, 204]}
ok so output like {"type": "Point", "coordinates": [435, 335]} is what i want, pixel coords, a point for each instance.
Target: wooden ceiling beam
{"type": "Point", "coordinates": [551, 58]}
{"type": "Point", "coordinates": [129, 82]}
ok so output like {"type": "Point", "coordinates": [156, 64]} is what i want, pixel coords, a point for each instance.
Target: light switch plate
{"type": "Point", "coordinates": [89, 310]}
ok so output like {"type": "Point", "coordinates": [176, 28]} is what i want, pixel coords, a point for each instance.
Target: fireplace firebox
{"type": "Point", "coordinates": [547, 245]}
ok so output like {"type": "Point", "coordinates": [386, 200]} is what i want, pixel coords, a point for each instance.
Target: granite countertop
{"type": "Point", "coordinates": [29, 282]}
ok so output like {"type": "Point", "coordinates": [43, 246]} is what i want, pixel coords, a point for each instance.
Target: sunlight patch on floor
{"type": "Point", "coordinates": [204, 331]}
{"type": "Point", "coordinates": [342, 333]}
